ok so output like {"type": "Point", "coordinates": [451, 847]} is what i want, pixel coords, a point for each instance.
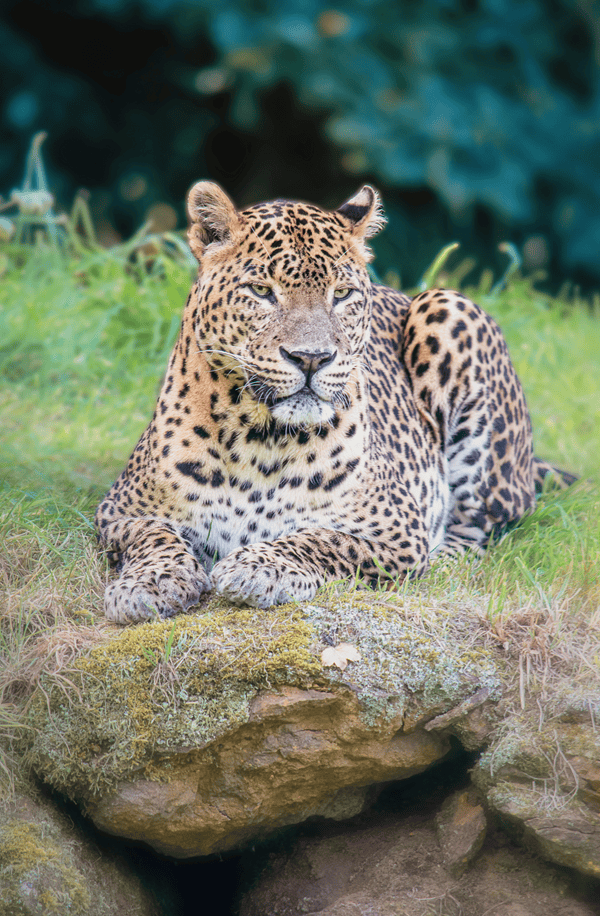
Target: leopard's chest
{"type": "Point", "coordinates": [236, 519]}
{"type": "Point", "coordinates": [271, 492]}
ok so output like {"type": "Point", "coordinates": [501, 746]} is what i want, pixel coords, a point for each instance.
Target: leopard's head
{"type": "Point", "coordinates": [284, 298]}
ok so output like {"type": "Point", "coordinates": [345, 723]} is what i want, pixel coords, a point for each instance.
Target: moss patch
{"type": "Point", "coordinates": [163, 686]}
{"type": "Point", "coordinates": [29, 853]}
{"type": "Point", "coordinates": [50, 865]}
{"type": "Point", "coordinates": [22, 848]}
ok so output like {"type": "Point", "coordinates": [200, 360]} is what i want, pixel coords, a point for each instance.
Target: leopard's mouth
{"type": "Point", "coordinates": [306, 392]}
{"type": "Point", "coordinates": [267, 394]}
{"type": "Point", "coordinates": [304, 408]}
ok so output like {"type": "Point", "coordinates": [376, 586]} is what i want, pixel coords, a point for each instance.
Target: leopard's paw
{"type": "Point", "coordinates": [255, 576]}
{"type": "Point", "coordinates": [161, 590]}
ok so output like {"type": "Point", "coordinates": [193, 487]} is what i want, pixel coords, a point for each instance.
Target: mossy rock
{"type": "Point", "coordinates": [542, 779]}
{"type": "Point", "coordinates": [49, 867]}
{"type": "Point", "coordinates": [155, 715]}
{"type": "Point", "coordinates": [166, 686]}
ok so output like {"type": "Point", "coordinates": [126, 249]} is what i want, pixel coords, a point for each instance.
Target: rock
{"type": "Point", "coordinates": [388, 864]}
{"type": "Point", "coordinates": [291, 761]}
{"type": "Point", "coordinates": [544, 785]}
{"type": "Point", "coordinates": [48, 866]}
{"type": "Point", "coordinates": [461, 827]}
{"type": "Point", "coordinates": [207, 733]}
{"type": "Point", "coordinates": [568, 836]}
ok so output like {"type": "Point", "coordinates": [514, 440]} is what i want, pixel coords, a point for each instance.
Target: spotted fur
{"type": "Point", "coordinates": [312, 425]}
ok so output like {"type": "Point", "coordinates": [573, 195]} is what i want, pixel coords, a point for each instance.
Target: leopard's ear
{"type": "Point", "coordinates": [213, 217]}
{"type": "Point", "coordinates": [364, 213]}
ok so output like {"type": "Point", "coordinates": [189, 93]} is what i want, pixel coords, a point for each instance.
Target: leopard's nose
{"type": "Point", "coordinates": [308, 361]}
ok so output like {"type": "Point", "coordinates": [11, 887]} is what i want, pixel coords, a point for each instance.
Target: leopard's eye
{"type": "Point", "coordinates": [342, 293]}
{"type": "Point", "coordinates": [260, 290]}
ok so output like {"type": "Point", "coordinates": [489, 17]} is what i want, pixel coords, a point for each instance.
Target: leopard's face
{"type": "Point", "coordinates": [284, 306]}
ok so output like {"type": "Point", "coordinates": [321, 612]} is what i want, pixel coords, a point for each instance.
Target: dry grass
{"type": "Point", "coordinates": [51, 578]}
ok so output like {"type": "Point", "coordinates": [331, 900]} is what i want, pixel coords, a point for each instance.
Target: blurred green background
{"type": "Point", "coordinates": [478, 120]}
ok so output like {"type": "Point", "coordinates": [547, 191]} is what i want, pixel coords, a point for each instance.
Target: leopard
{"type": "Point", "coordinates": [313, 424]}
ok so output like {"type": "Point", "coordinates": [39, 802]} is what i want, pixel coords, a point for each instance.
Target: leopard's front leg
{"type": "Point", "coordinates": [158, 572]}
{"type": "Point", "coordinates": [294, 567]}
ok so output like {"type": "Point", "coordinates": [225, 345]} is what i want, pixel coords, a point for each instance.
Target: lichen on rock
{"type": "Point", "coordinates": [428, 655]}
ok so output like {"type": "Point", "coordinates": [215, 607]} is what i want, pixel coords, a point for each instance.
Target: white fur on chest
{"type": "Point", "coordinates": [270, 492]}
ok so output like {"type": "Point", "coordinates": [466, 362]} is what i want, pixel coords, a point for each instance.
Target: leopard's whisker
{"type": "Point", "coordinates": [240, 359]}
{"type": "Point", "coordinates": [253, 231]}
{"type": "Point", "coordinates": [343, 255]}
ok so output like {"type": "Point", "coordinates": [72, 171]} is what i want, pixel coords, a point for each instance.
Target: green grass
{"type": "Point", "coordinates": [83, 345]}
{"type": "Point", "coordinates": [84, 340]}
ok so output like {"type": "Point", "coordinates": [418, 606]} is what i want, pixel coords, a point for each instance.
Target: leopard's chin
{"type": "Point", "coordinates": [304, 409]}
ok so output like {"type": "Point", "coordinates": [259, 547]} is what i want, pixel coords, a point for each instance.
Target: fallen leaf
{"type": "Point", "coordinates": [339, 656]}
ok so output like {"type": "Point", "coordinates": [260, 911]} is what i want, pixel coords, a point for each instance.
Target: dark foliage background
{"type": "Point", "coordinates": [478, 120]}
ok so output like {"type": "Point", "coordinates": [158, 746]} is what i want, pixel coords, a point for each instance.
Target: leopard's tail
{"type": "Point", "coordinates": [560, 478]}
